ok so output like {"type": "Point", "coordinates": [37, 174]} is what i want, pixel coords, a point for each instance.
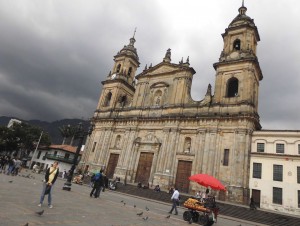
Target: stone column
{"type": "Point", "coordinates": [99, 144]}
{"type": "Point", "coordinates": [161, 155]}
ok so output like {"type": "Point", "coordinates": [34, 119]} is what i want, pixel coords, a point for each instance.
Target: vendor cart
{"type": "Point", "coordinates": [204, 212]}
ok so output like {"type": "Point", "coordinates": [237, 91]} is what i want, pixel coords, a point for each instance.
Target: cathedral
{"type": "Point", "coordinates": [148, 129]}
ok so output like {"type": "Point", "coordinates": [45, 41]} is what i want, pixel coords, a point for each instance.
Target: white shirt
{"type": "Point", "coordinates": [175, 195]}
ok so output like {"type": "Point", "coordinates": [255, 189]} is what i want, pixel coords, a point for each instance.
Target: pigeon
{"type": "Point", "coordinates": [40, 212]}
{"type": "Point", "coordinates": [122, 200]}
{"type": "Point", "coordinates": [190, 221]}
{"type": "Point", "coordinates": [124, 203]}
{"type": "Point", "coordinates": [140, 214]}
{"type": "Point", "coordinates": [168, 216]}
{"type": "Point", "coordinates": [26, 224]}
{"type": "Point", "coordinates": [134, 206]}
{"type": "Point", "coordinates": [147, 208]}
{"type": "Point", "coordinates": [10, 181]}
{"type": "Point", "coordinates": [145, 218]}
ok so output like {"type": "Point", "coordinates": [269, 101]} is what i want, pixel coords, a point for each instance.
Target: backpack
{"type": "Point", "coordinates": [97, 177]}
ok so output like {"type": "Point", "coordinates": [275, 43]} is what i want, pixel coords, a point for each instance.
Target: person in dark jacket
{"type": "Point", "coordinates": [50, 178]}
{"type": "Point", "coordinates": [98, 183]}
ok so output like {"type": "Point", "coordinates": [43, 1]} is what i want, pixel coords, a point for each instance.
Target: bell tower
{"type": "Point", "coordinates": [118, 88]}
{"type": "Point", "coordinates": [238, 72]}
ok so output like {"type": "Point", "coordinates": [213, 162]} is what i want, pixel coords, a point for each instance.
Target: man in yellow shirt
{"type": "Point", "coordinates": [50, 178]}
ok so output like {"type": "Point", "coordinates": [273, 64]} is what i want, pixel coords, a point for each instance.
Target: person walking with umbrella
{"type": "Point", "coordinates": [175, 200]}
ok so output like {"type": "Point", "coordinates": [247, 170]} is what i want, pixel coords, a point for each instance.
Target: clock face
{"type": "Point", "coordinates": [113, 76]}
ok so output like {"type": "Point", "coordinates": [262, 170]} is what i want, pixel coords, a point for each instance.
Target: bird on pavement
{"type": "Point", "coordinates": [134, 206]}
{"type": "Point", "coordinates": [122, 200]}
{"type": "Point", "coordinates": [145, 218]}
{"type": "Point", "coordinates": [10, 181]}
{"type": "Point", "coordinates": [190, 221]}
{"type": "Point", "coordinates": [168, 216]}
{"type": "Point", "coordinates": [147, 208]}
{"type": "Point", "coordinates": [124, 203]}
{"type": "Point", "coordinates": [40, 212]}
{"type": "Point", "coordinates": [26, 224]}
{"type": "Point", "coordinates": [140, 214]}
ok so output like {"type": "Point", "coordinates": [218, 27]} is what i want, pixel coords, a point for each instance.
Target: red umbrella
{"type": "Point", "coordinates": [207, 181]}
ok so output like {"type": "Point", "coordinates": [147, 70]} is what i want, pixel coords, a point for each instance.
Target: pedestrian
{"type": "Point", "coordinates": [11, 166]}
{"type": "Point", "coordinates": [252, 204]}
{"type": "Point", "coordinates": [98, 183]}
{"type": "Point", "coordinates": [50, 178]}
{"type": "Point", "coordinates": [17, 168]}
{"type": "Point", "coordinates": [64, 174]}
{"type": "Point", "coordinates": [175, 201]}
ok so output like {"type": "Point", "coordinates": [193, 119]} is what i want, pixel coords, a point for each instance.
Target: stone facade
{"type": "Point", "coordinates": [149, 129]}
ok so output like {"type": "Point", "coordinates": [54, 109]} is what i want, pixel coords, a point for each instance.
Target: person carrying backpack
{"type": "Point", "coordinates": [98, 183]}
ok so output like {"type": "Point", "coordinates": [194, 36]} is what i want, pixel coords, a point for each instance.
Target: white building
{"type": "Point", "coordinates": [64, 154]}
{"type": "Point", "coordinates": [275, 170]}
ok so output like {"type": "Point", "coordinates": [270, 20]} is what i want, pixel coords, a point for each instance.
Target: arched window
{"type": "Point", "coordinates": [118, 68]}
{"type": "Point", "coordinates": [187, 145]}
{"type": "Point", "coordinates": [107, 99]}
{"type": "Point", "coordinates": [129, 71]}
{"type": "Point", "coordinates": [237, 44]}
{"type": "Point", "coordinates": [232, 87]}
{"type": "Point", "coordinates": [123, 101]}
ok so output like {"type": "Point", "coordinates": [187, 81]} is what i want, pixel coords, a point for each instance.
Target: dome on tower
{"type": "Point", "coordinates": [241, 18]}
{"type": "Point", "coordinates": [129, 50]}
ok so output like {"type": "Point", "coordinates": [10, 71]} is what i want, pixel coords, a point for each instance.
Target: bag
{"type": "Point", "coordinates": [47, 189]}
{"type": "Point", "coordinates": [98, 177]}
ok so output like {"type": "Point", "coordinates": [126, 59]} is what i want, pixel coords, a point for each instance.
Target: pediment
{"type": "Point", "coordinates": [162, 69]}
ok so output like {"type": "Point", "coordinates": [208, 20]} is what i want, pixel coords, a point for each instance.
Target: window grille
{"type": "Point", "coordinates": [280, 148]}
{"type": "Point", "coordinates": [260, 147]}
{"type": "Point", "coordinates": [277, 172]}
{"type": "Point", "coordinates": [277, 195]}
{"type": "Point", "coordinates": [257, 170]}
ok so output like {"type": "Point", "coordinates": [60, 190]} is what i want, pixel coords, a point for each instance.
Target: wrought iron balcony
{"type": "Point", "coordinates": [61, 158]}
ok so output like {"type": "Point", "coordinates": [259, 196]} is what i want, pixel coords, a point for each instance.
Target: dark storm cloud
{"type": "Point", "coordinates": [54, 54]}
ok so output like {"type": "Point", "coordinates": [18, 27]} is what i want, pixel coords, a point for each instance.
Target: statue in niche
{"type": "Point", "coordinates": [187, 145]}
{"type": "Point", "coordinates": [157, 101]}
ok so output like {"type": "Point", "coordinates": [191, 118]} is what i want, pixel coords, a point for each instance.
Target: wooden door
{"type": "Point", "coordinates": [256, 197]}
{"type": "Point", "coordinates": [112, 164]}
{"type": "Point", "coordinates": [144, 168]}
{"type": "Point", "coordinates": [184, 170]}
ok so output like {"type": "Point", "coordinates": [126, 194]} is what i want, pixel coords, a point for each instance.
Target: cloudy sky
{"type": "Point", "coordinates": [54, 54]}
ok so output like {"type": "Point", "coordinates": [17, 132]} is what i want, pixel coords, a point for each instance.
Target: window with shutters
{"type": "Point", "coordinates": [277, 172]}
{"type": "Point", "coordinates": [260, 147]}
{"type": "Point", "coordinates": [280, 148]}
{"type": "Point", "coordinates": [277, 195]}
{"type": "Point", "coordinates": [257, 170]}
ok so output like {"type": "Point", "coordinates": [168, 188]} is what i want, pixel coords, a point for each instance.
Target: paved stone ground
{"type": "Point", "coordinates": [19, 199]}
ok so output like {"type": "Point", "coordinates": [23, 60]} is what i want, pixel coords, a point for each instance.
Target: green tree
{"type": "Point", "coordinates": [22, 137]}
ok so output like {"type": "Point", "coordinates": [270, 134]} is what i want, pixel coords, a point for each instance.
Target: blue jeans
{"type": "Point", "coordinates": [43, 194]}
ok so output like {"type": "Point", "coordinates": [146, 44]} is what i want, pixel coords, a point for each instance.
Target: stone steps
{"type": "Point", "coordinates": [226, 209]}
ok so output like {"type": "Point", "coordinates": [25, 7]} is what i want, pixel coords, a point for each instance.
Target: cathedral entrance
{"type": "Point", "coordinates": [184, 170]}
{"type": "Point", "coordinates": [112, 164]}
{"type": "Point", "coordinates": [144, 168]}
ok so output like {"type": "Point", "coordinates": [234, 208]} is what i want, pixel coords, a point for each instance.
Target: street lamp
{"type": "Point", "coordinates": [81, 135]}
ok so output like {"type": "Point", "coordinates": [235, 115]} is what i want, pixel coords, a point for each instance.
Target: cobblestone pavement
{"type": "Point", "coordinates": [19, 197]}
